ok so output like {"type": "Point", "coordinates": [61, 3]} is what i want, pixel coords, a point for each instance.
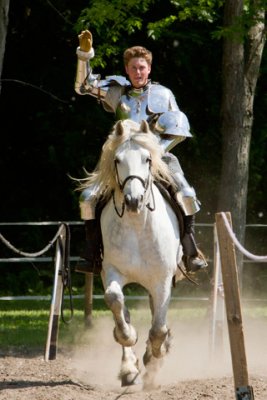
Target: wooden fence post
{"type": "Point", "coordinates": [88, 298]}
{"type": "Point", "coordinates": [233, 309]}
{"type": "Point", "coordinates": [55, 307]}
{"type": "Point", "coordinates": [218, 308]}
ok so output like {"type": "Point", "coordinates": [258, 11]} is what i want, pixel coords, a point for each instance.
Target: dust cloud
{"type": "Point", "coordinates": [96, 356]}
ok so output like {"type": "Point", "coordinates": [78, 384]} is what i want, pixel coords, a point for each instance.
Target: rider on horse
{"type": "Point", "coordinates": [140, 99]}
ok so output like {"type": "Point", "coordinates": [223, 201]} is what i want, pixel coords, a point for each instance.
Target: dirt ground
{"type": "Point", "coordinates": [89, 370]}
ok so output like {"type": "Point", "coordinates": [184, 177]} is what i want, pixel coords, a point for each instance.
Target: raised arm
{"type": "Point", "coordinates": [86, 82]}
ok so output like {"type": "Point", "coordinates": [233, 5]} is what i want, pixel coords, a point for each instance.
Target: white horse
{"type": "Point", "coordinates": [141, 240]}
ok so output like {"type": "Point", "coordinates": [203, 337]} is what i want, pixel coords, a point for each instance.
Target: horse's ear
{"type": "Point", "coordinates": [119, 128]}
{"type": "Point", "coordinates": [144, 127]}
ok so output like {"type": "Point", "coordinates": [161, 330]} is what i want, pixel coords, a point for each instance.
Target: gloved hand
{"type": "Point", "coordinates": [85, 41]}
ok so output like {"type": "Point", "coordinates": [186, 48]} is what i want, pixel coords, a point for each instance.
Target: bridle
{"type": "Point", "coordinates": [145, 183]}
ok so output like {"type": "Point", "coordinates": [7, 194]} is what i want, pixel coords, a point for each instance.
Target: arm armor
{"type": "Point", "coordinates": [88, 83]}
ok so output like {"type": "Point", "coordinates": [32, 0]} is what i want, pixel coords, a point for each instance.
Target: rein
{"type": "Point", "coordinates": [145, 184]}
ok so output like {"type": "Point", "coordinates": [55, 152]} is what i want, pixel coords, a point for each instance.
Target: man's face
{"type": "Point", "coordinates": [138, 71]}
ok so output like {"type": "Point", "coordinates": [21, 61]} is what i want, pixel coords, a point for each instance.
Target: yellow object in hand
{"type": "Point", "coordinates": [85, 40]}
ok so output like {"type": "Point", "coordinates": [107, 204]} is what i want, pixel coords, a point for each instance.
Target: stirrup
{"type": "Point", "coordinates": [195, 263]}
{"type": "Point", "coordinates": [88, 266]}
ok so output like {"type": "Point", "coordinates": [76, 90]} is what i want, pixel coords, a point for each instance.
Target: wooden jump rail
{"type": "Point", "coordinates": [243, 390]}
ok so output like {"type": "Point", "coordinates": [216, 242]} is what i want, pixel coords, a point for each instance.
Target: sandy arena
{"type": "Point", "coordinates": [89, 370]}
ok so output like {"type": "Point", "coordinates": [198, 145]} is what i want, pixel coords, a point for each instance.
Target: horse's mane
{"type": "Point", "coordinates": [104, 175]}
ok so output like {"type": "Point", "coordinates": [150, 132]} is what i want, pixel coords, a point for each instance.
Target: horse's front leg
{"type": "Point", "coordinates": [130, 371]}
{"type": "Point", "coordinates": [124, 332]}
{"type": "Point", "coordinates": [159, 338]}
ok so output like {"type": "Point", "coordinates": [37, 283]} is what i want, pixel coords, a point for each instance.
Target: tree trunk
{"type": "Point", "coordinates": [254, 50]}
{"type": "Point", "coordinates": [4, 8]}
{"type": "Point", "coordinates": [235, 145]}
{"type": "Point", "coordinates": [240, 70]}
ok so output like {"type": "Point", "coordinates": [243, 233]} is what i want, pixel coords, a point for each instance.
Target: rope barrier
{"type": "Point", "coordinates": [65, 267]}
{"type": "Point", "coordinates": [238, 245]}
{"type": "Point", "coordinates": [38, 253]}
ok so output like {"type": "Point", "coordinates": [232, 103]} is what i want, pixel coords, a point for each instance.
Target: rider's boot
{"type": "Point", "coordinates": [91, 260]}
{"type": "Point", "coordinates": [193, 258]}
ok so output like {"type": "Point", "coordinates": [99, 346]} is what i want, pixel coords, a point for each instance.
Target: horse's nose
{"type": "Point", "coordinates": [133, 204]}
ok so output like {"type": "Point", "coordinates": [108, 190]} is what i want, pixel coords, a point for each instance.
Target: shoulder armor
{"type": "Point", "coordinates": [160, 99]}
{"type": "Point", "coordinates": [174, 123]}
{"type": "Point", "coordinates": [120, 80]}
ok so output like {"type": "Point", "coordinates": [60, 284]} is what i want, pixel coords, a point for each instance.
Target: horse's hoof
{"type": "Point", "coordinates": [148, 387]}
{"type": "Point", "coordinates": [126, 340]}
{"type": "Point", "coordinates": [131, 379]}
{"type": "Point", "coordinates": [149, 382]}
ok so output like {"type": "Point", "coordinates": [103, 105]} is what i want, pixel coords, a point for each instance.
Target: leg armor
{"type": "Point", "coordinates": [186, 198]}
{"type": "Point", "coordinates": [186, 195]}
{"type": "Point", "coordinates": [88, 201]}
{"type": "Point", "coordinates": [91, 257]}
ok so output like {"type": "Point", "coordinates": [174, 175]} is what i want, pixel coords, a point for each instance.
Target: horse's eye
{"type": "Point", "coordinates": [117, 161]}
{"type": "Point", "coordinates": [148, 160]}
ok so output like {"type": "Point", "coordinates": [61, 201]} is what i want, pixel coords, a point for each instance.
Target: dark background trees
{"type": "Point", "coordinates": [48, 132]}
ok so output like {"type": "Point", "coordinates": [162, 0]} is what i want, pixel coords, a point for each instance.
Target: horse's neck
{"type": "Point", "coordinates": [156, 220]}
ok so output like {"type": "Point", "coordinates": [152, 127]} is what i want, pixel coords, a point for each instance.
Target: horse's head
{"type": "Point", "coordinates": [133, 164]}
{"type": "Point", "coordinates": [131, 159]}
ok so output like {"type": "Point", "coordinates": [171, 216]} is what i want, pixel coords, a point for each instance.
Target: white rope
{"type": "Point", "coordinates": [238, 245]}
{"type": "Point", "coordinates": [36, 254]}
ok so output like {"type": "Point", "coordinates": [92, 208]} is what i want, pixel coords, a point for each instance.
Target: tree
{"type": "Point", "coordinates": [242, 53]}
{"type": "Point", "coordinates": [4, 7]}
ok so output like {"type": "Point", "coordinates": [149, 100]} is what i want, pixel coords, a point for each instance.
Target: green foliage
{"type": "Point", "coordinates": [240, 25]}
{"type": "Point", "coordinates": [111, 21]}
{"type": "Point", "coordinates": [201, 10]}
{"type": "Point", "coordinates": [155, 29]}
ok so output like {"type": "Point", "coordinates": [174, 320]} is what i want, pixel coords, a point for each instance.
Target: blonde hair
{"type": "Point", "coordinates": [137, 51]}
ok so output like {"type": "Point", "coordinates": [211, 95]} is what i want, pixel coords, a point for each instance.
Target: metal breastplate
{"type": "Point", "coordinates": [138, 104]}
{"type": "Point", "coordinates": [133, 105]}
{"type": "Point", "coordinates": [155, 104]}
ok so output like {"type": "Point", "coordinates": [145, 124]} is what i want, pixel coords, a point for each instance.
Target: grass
{"type": "Point", "coordinates": [24, 323]}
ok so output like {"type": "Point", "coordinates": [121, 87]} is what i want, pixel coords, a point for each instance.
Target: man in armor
{"type": "Point", "coordinates": [137, 99]}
